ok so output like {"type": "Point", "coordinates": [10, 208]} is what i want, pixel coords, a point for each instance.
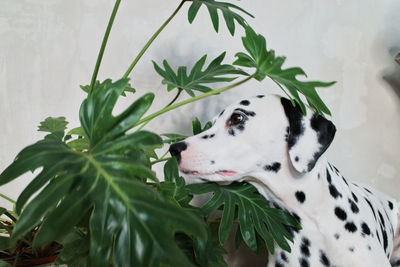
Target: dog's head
{"type": "Point", "coordinates": [260, 133]}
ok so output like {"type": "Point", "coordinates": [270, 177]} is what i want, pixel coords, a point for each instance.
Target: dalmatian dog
{"type": "Point", "coordinates": [268, 142]}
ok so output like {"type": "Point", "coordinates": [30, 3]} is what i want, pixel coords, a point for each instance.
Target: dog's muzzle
{"type": "Point", "coordinates": [176, 150]}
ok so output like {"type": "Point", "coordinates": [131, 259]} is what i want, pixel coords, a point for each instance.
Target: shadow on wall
{"type": "Point", "coordinates": [392, 74]}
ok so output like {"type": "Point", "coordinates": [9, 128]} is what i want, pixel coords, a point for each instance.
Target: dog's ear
{"type": "Point", "coordinates": [308, 136]}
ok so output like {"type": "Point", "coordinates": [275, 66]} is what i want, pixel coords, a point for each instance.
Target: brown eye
{"type": "Point", "coordinates": [236, 118]}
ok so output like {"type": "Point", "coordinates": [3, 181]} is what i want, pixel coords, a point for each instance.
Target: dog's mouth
{"type": "Point", "coordinates": [221, 172]}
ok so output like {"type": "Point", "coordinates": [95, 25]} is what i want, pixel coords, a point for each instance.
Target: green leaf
{"type": "Point", "coordinates": [197, 78]}
{"type": "Point", "coordinates": [173, 138]}
{"type": "Point", "coordinates": [4, 243]}
{"type": "Point", "coordinates": [96, 113]}
{"type": "Point", "coordinates": [197, 128]}
{"type": "Point", "coordinates": [54, 126]}
{"type": "Point", "coordinates": [75, 249]}
{"type": "Point", "coordinates": [254, 214]}
{"type": "Point", "coordinates": [174, 186]}
{"type": "Point", "coordinates": [227, 10]}
{"type": "Point", "coordinates": [108, 182]}
{"type": "Point", "coordinates": [267, 64]}
{"type": "Point", "coordinates": [106, 83]}
{"type": "Point", "coordinates": [4, 264]}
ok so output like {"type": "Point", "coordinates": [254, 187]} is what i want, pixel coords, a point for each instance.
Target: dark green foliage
{"type": "Point", "coordinates": [196, 125]}
{"type": "Point", "coordinates": [106, 83]}
{"type": "Point", "coordinates": [123, 226]}
{"type": "Point", "coordinates": [197, 77]}
{"type": "Point", "coordinates": [253, 213]}
{"type": "Point", "coordinates": [227, 11]}
{"type": "Point", "coordinates": [267, 64]}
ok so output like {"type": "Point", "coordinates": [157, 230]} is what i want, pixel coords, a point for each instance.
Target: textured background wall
{"type": "Point", "coordinates": [49, 47]}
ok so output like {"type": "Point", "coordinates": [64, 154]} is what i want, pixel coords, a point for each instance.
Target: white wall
{"type": "Point", "coordinates": [49, 47]}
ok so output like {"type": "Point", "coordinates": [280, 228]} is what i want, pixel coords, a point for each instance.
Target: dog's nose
{"type": "Point", "coordinates": [176, 150]}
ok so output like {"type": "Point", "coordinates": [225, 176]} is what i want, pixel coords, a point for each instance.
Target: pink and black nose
{"type": "Point", "coordinates": [176, 150]}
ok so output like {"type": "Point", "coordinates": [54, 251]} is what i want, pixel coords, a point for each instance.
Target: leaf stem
{"type": "Point", "coordinates": [193, 99]}
{"type": "Point", "coordinates": [103, 45]}
{"type": "Point", "coordinates": [7, 198]}
{"type": "Point", "coordinates": [149, 42]}
{"type": "Point", "coordinates": [170, 103]}
{"type": "Point", "coordinates": [159, 160]}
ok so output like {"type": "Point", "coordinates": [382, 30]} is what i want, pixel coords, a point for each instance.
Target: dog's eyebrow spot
{"type": "Point", "coordinates": [246, 112]}
{"type": "Point", "coordinates": [245, 102]}
{"type": "Point", "coordinates": [300, 196]}
{"type": "Point", "coordinates": [274, 167]}
{"type": "Point", "coordinates": [222, 112]}
{"type": "Point", "coordinates": [261, 96]}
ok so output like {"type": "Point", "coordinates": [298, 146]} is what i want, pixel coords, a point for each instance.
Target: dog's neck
{"type": "Point", "coordinates": [281, 187]}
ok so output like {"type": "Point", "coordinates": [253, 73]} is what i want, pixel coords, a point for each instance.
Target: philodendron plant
{"type": "Point", "coordinates": [95, 192]}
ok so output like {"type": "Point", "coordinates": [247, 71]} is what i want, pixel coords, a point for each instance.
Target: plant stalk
{"type": "Point", "coordinates": [149, 42]}
{"type": "Point", "coordinates": [7, 198]}
{"type": "Point", "coordinates": [193, 99]}
{"type": "Point", "coordinates": [103, 45]}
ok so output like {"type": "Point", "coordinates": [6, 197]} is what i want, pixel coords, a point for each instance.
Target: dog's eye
{"type": "Point", "coordinates": [236, 118]}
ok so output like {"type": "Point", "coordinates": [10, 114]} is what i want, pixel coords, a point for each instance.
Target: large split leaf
{"type": "Point", "coordinates": [267, 64]}
{"type": "Point", "coordinates": [197, 78]}
{"type": "Point", "coordinates": [253, 212]}
{"type": "Point", "coordinates": [130, 223]}
{"type": "Point", "coordinates": [227, 10]}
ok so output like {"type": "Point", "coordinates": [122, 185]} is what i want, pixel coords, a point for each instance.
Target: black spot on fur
{"type": "Point", "coordinates": [296, 216]}
{"type": "Point", "coordinates": [260, 96]}
{"type": "Point", "coordinates": [205, 136]}
{"type": "Point", "coordinates": [354, 197]}
{"type": "Point", "coordinates": [337, 236]}
{"type": "Point", "coordinates": [278, 264]}
{"type": "Point", "coordinates": [304, 247]}
{"type": "Point", "coordinates": [240, 127]}
{"type": "Point", "coordinates": [366, 189]}
{"type": "Point", "coordinates": [222, 112]}
{"type": "Point", "coordinates": [300, 196]}
{"type": "Point", "coordinates": [284, 257]}
{"type": "Point", "coordinates": [303, 262]}
{"type": "Point", "coordinates": [212, 162]}
{"type": "Point", "coordinates": [245, 102]}
{"type": "Point", "coordinates": [295, 117]}
{"type": "Point", "coordinates": [231, 132]}
{"type": "Point", "coordinates": [340, 213]}
{"type": "Point", "coordinates": [274, 167]}
{"type": "Point", "coordinates": [390, 205]}
{"type": "Point", "coordinates": [246, 112]}
{"type": "Point", "coordinates": [351, 249]}
{"type": "Point", "coordinates": [328, 176]}
{"type": "Point", "coordinates": [370, 205]}
{"type": "Point", "coordinates": [353, 206]}
{"type": "Point", "coordinates": [365, 229]}
{"type": "Point", "coordinates": [369, 247]}
{"type": "Point", "coordinates": [212, 135]}
{"type": "Point", "coordinates": [344, 180]}
{"type": "Point", "coordinates": [325, 131]}
{"type": "Point", "coordinates": [351, 227]}
{"type": "Point", "coordinates": [334, 192]}
{"type": "Point", "coordinates": [296, 159]}
{"type": "Point", "coordinates": [381, 218]}
{"type": "Point", "coordinates": [319, 176]}
{"type": "Point", "coordinates": [385, 239]}
{"type": "Point", "coordinates": [323, 258]}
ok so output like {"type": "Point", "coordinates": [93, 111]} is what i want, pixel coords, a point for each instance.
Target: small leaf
{"type": "Point", "coordinates": [197, 128]}
{"type": "Point", "coordinates": [54, 126]}
{"type": "Point", "coordinates": [97, 85]}
{"type": "Point", "coordinates": [267, 64]}
{"type": "Point", "coordinates": [173, 138]}
{"type": "Point", "coordinates": [227, 10]}
{"type": "Point", "coordinates": [4, 243]}
{"type": "Point", "coordinates": [195, 80]}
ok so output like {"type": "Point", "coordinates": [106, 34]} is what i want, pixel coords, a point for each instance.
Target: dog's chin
{"type": "Point", "coordinates": [215, 176]}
